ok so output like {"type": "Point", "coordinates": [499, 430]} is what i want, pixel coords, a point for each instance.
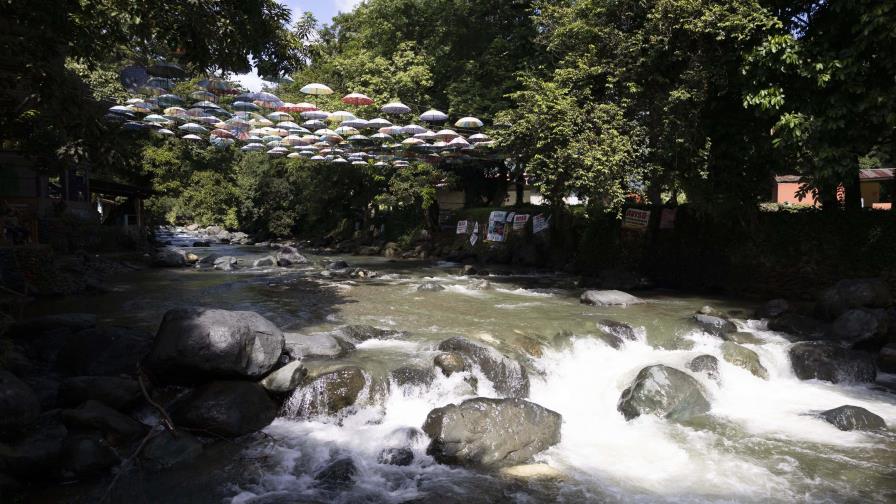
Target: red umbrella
{"type": "Point", "coordinates": [357, 99]}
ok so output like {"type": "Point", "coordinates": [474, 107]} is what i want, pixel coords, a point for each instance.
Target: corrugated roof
{"type": "Point", "coordinates": [877, 174]}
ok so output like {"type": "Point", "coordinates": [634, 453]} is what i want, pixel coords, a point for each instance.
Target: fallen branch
{"type": "Point", "coordinates": [127, 462]}
{"type": "Point", "coordinates": [165, 420]}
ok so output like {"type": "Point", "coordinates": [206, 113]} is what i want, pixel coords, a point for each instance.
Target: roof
{"type": "Point", "coordinates": [788, 178]}
{"type": "Point", "coordinates": [867, 175]}
{"type": "Point", "coordinates": [117, 189]}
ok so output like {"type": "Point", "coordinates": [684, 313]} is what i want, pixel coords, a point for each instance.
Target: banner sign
{"type": "Point", "coordinates": [539, 223]}
{"type": "Point", "coordinates": [496, 226]}
{"type": "Point", "coordinates": [510, 216]}
{"type": "Point", "coordinates": [462, 227]}
{"type": "Point", "coordinates": [476, 227]}
{"type": "Point", "coordinates": [636, 219]}
{"type": "Point", "coordinates": [520, 220]}
{"type": "Point", "coordinates": [473, 239]}
{"type": "Point", "coordinates": [667, 218]}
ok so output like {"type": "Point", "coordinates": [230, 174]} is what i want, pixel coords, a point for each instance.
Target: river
{"type": "Point", "coordinates": [759, 444]}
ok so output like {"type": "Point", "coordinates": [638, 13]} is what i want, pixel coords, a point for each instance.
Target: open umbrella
{"type": "Point", "coordinates": [252, 147]}
{"type": "Point", "coordinates": [356, 123]}
{"type": "Point", "coordinates": [396, 108]}
{"type": "Point", "coordinates": [206, 105]}
{"type": "Point", "coordinates": [468, 122]}
{"type": "Point", "coordinates": [169, 100]}
{"type": "Point", "coordinates": [433, 116]}
{"type": "Point", "coordinates": [193, 128]}
{"type": "Point", "coordinates": [447, 134]}
{"type": "Point", "coordinates": [244, 106]}
{"type": "Point", "coordinates": [296, 107]}
{"type": "Point", "coordinates": [413, 129]}
{"type": "Point", "coordinates": [166, 69]}
{"type": "Point", "coordinates": [320, 115]}
{"type": "Point", "coordinates": [279, 116]}
{"type": "Point", "coordinates": [426, 136]}
{"type": "Point", "coordinates": [222, 133]}
{"type": "Point", "coordinates": [314, 124]}
{"type": "Point", "coordinates": [157, 119]}
{"type": "Point", "coordinates": [160, 82]}
{"type": "Point", "coordinates": [378, 123]}
{"type": "Point", "coordinates": [341, 115]}
{"type": "Point", "coordinates": [165, 132]}
{"type": "Point", "coordinates": [288, 125]}
{"type": "Point", "coordinates": [358, 99]}
{"type": "Point", "coordinates": [175, 111]}
{"type": "Point", "coordinates": [316, 89]}
{"type": "Point", "coordinates": [346, 131]}
{"type": "Point", "coordinates": [266, 100]}
{"type": "Point", "coordinates": [479, 137]}
{"type": "Point", "coordinates": [391, 130]}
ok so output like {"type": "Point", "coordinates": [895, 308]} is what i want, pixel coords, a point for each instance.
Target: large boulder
{"type": "Point", "coordinates": [744, 357]}
{"type": "Point", "coordinates": [94, 415]}
{"type": "Point", "coordinates": [450, 363]}
{"type": "Point", "coordinates": [169, 449]}
{"type": "Point", "coordinates": [708, 364]}
{"type": "Point", "coordinates": [609, 298]}
{"type": "Point", "coordinates": [508, 376]}
{"type": "Point", "coordinates": [847, 418]}
{"type": "Point", "coordinates": [861, 327]}
{"type": "Point", "coordinates": [265, 262]}
{"type": "Point", "coordinates": [86, 455]}
{"type": "Point", "coordinates": [484, 432]}
{"type": "Point", "coordinates": [226, 263]}
{"type": "Point", "coordinates": [831, 362]}
{"type": "Point", "coordinates": [104, 351]}
{"type": "Point", "coordinates": [316, 345]}
{"type": "Point", "coordinates": [327, 392]}
{"type": "Point", "coordinates": [117, 392]}
{"type": "Point", "coordinates": [714, 325]}
{"type": "Point", "coordinates": [19, 406]}
{"type": "Point", "coordinates": [287, 256]}
{"type": "Point", "coordinates": [798, 327]}
{"type": "Point", "coordinates": [169, 258]}
{"type": "Point", "coordinates": [225, 408]}
{"type": "Point", "coordinates": [853, 293]}
{"type": "Point", "coordinates": [285, 379]}
{"type": "Point", "coordinates": [665, 392]}
{"type": "Point", "coordinates": [197, 343]}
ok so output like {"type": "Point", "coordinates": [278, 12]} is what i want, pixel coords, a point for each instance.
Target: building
{"type": "Point", "coordinates": [877, 185]}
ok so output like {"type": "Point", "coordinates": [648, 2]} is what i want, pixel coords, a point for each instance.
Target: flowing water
{"type": "Point", "coordinates": [759, 444]}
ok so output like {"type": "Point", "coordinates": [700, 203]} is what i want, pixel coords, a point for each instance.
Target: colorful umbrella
{"type": "Point", "coordinates": [396, 108]}
{"type": "Point", "coordinates": [223, 133]}
{"type": "Point", "coordinates": [296, 107]}
{"type": "Point", "coordinates": [433, 116]}
{"type": "Point", "coordinates": [378, 123]}
{"type": "Point", "coordinates": [356, 123]}
{"type": "Point", "coordinates": [320, 115]}
{"type": "Point", "coordinates": [468, 122]}
{"type": "Point", "coordinates": [447, 134]}
{"type": "Point", "coordinates": [413, 129]}
{"type": "Point", "coordinates": [316, 89]}
{"type": "Point", "coordinates": [341, 115]}
{"type": "Point", "coordinates": [357, 99]}
{"type": "Point", "coordinates": [244, 106]}
{"type": "Point", "coordinates": [279, 116]}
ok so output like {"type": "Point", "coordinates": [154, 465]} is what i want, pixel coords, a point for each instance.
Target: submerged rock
{"type": "Point", "coordinates": [337, 475]}
{"type": "Point", "coordinates": [396, 456]}
{"type": "Point", "coordinates": [616, 328]}
{"type": "Point", "coordinates": [609, 298]}
{"type": "Point", "coordinates": [714, 325]}
{"type": "Point", "coordinates": [708, 364]}
{"type": "Point", "coordinates": [485, 432]}
{"type": "Point", "coordinates": [265, 262]}
{"type": "Point", "coordinates": [19, 405]}
{"type": "Point", "coordinates": [328, 392]}
{"type": "Point", "coordinates": [197, 343]}
{"type": "Point", "coordinates": [316, 345]}
{"type": "Point", "coordinates": [285, 379]}
{"type": "Point", "coordinates": [530, 346]}
{"type": "Point", "coordinates": [430, 287]}
{"type": "Point", "coordinates": [337, 266]}
{"type": "Point", "coordinates": [665, 392]}
{"type": "Point", "coordinates": [169, 449]}
{"type": "Point", "coordinates": [359, 333]}
{"type": "Point", "coordinates": [450, 363]}
{"type": "Point", "coordinates": [226, 263]}
{"type": "Point", "coordinates": [508, 376]}
{"type": "Point", "coordinates": [744, 357]}
{"type": "Point", "coordinates": [847, 418]}
{"type": "Point", "coordinates": [831, 362]}
{"type": "Point", "coordinates": [414, 376]}
{"type": "Point", "coordinates": [225, 408]}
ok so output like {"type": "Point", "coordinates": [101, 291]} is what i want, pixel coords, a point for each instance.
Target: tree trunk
{"type": "Point", "coordinates": [520, 187]}
{"type": "Point", "coordinates": [853, 200]}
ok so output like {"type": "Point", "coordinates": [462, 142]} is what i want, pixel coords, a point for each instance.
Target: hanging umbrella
{"type": "Point", "coordinates": [122, 111]}
{"type": "Point", "coordinates": [152, 91]}
{"type": "Point", "coordinates": [202, 94]}
{"type": "Point", "coordinates": [244, 106]}
{"type": "Point", "coordinates": [169, 100]}
{"type": "Point", "coordinates": [426, 135]}
{"type": "Point", "coordinates": [412, 129]}
{"type": "Point", "coordinates": [346, 131]}
{"type": "Point", "coordinates": [341, 115]}
{"type": "Point", "coordinates": [260, 121]}
{"type": "Point", "coordinates": [288, 125]}
{"type": "Point", "coordinates": [358, 139]}
{"type": "Point", "coordinates": [339, 160]}
{"type": "Point", "coordinates": [356, 123]}
{"type": "Point", "coordinates": [468, 122]}
{"type": "Point", "coordinates": [458, 143]}
{"type": "Point", "coordinates": [396, 108]}
{"type": "Point", "coordinates": [447, 134]}
{"type": "Point", "coordinates": [278, 131]}
{"type": "Point", "coordinates": [139, 106]}
{"type": "Point", "coordinates": [316, 89]}
{"type": "Point", "coordinates": [479, 137]}
{"type": "Point", "coordinates": [222, 141]}
{"type": "Point", "coordinates": [297, 107]}
{"type": "Point", "coordinates": [381, 137]}
{"type": "Point", "coordinates": [175, 111]}
{"type": "Point", "coordinates": [206, 105]}
{"type": "Point", "coordinates": [193, 128]}
{"type": "Point", "coordinates": [160, 82]}
{"type": "Point", "coordinates": [433, 116]}
{"type": "Point", "coordinates": [279, 116]}
{"type": "Point", "coordinates": [216, 85]}
{"type": "Point", "coordinates": [391, 130]}
{"type": "Point", "coordinates": [270, 138]}
{"type": "Point", "coordinates": [207, 119]}
{"type": "Point", "coordinates": [252, 147]}
{"type": "Point", "coordinates": [378, 123]}
{"type": "Point", "coordinates": [157, 119]}
{"type": "Point", "coordinates": [357, 99]}
{"type": "Point", "coordinates": [314, 124]}
{"type": "Point", "coordinates": [194, 138]}
{"type": "Point", "coordinates": [166, 69]}
{"type": "Point", "coordinates": [412, 142]}
{"type": "Point", "coordinates": [165, 132]}
{"type": "Point", "coordinates": [319, 115]}
{"type": "Point", "coordinates": [293, 155]}
{"type": "Point", "coordinates": [222, 133]}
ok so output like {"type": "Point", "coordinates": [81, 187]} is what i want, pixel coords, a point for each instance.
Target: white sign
{"type": "Point", "coordinates": [520, 220]}
{"type": "Point", "coordinates": [473, 239]}
{"type": "Point", "coordinates": [496, 226]}
{"type": "Point", "coordinates": [539, 223]}
{"type": "Point", "coordinates": [462, 227]}
{"type": "Point", "coordinates": [636, 219]}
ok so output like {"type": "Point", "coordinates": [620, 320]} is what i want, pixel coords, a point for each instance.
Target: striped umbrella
{"type": "Point", "coordinates": [396, 108]}
{"type": "Point", "coordinates": [378, 123]}
{"type": "Point", "coordinates": [341, 115]}
{"type": "Point", "coordinates": [316, 89]}
{"type": "Point", "coordinates": [279, 116]}
{"type": "Point", "coordinates": [468, 122]}
{"type": "Point", "coordinates": [320, 115]}
{"type": "Point", "coordinates": [447, 134]}
{"type": "Point", "coordinates": [357, 99]}
{"type": "Point", "coordinates": [356, 123]}
{"type": "Point", "coordinates": [433, 116]}
{"type": "Point", "coordinates": [413, 129]}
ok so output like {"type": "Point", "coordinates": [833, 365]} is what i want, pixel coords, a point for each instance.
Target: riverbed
{"type": "Point", "coordinates": [760, 442]}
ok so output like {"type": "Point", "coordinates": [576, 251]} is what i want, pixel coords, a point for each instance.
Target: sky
{"type": "Point", "coordinates": [323, 11]}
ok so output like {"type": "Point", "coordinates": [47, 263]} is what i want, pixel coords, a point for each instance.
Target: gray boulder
{"type": "Point", "coordinates": [714, 325]}
{"type": "Point", "coordinates": [104, 351]}
{"type": "Point", "coordinates": [450, 363]}
{"type": "Point", "coordinates": [705, 364]}
{"type": "Point", "coordinates": [337, 266]}
{"type": "Point", "coordinates": [861, 327]}
{"type": "Point", "coordinates": [287, 256]}
{"type": "Point", "coordinates": [327, 392]}
{"type": "Point", "coordinates": [207, 261]}
{"type": "Point", "coordinates": [665, 392]}
{"type": "Point", "coordinates": [19, 406]}
{"type": "Point", "coordinates": [830, 362]}
{"type": "Point", "coordinates": [609, 298]}
{"type": "Point", "coordinates": [197, 343]}
{"type": "Point", "coordinates": [742, 338]}
{"type": "Point", "coordinates": [798, 327]}
{"type": "Point", "coordinates": [508, 376]}
{"type": "Point", "coordinates": [396, 456]}
{"type": "Point", "coordinates": [484, 432]}
{"type": "Point", "coordinates": [226, 263]}
{"type": "Point", "coordinates": [361, 333]}
{"type": "Point", "coordinates": [429, 287]}
{"type": "Point", "coordinates": [169, 258]}
{"type": "Point", "coordinates": [265, 262]}
{"type": "Point", "coordinates": [744, 357]}
{"type": "Point", "coordinates": [847, 418]}
{"type": "Point", "coordinates": [94, 415]}
{"type": "Point", "coordinates": [337, 475]}
{"type": "Point", "coordinates": [414, 376]}
{"type": "Point", "coordinates": [114, 391]}
{"type": "Point", "coordinates": [285, 379]}
{"type": "Point", "coordinates": [853, 293]}
{"type": "Point", "coordinates": [225, 408]}
{"type": "Point", "coordinates": [316, 345]}
{"type": "Point", "coordinates": [618, 329]}
{"type": "Point", "coordinates": [169, 449]}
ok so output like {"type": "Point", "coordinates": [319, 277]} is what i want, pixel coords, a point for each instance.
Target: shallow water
{"type": "Point", "coordinates": [759, 443]}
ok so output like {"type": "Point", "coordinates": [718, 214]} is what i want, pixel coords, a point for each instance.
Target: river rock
{"type": "Point", "coordinates": [828, 361]}
{"type": "Point", "coordinates": [195, 343]}
{"type": "Point", "coordinates": [609, 298]}
{"type": "Point", "coordinates": [200, 244]}
{"type": "Point", "coordinates": [480, 284]}
{"type": "Point", "coordinates": [226, 263]}
{"type": "Point", "coordinates": [798, 327]}
{"type": "Point", "coordinates": [287, 256]}
{"type": "Point", "coordinates": [285, 379]}
{"type": "Point", "coordinates": [225, 408]}
{"type": "Point", "coordinates": [337, 266]}
{"type": "Point", "coordinates": [847, 418]}
{"type": "Point", "coordinates": [616, 328]}
{"type": "Point", "coordinates": [861, 327]}
{"type": "Point", "coordinates": [485, 432]}
{"type": "Point", "coordinates": [94, 415]}
{"type": "Point", "coordinates": [429, 287]}
{"type": "Point", "coordinates": [529, 472]}
{"type": "Point", "coordinates": [207, 261]}
{"type": "Point", "coordinates": [169, 258]}
{"type": "Point", "coordinates": [396, 456]}
{"type": "Point", "coordinates": [742, 338]}
{"type": "Point", "coordinates": [336, 475]}
{"type": "Point", "coordinates": [450, 363]}
{"type": "Point", "coordinates": [744, 357]}
{"type": "Point", "coordinates": [773, 308]}
{"type": "Point", "coordinates": [315, 345]}
{"type": "Point", "coordinates": [360, 333]}
{"type": "Point", "coordinates": [19, 405]}
{"type": "Point", "coordinates": [265, 262]}
{"type": "Point", "coordinates": [508, 376]}
{"type": "Point", "coordinates": [87, 455]}
{"type": "Point", "coordinates": [114, 391]}
{"type": "Point", "coordinates": [708, 364]}
{"type": "Point", "coordinates": [886, 360]}
{"type": "Point", "coordinates": [714, 325]}
{"type": "Point", "coordinates": [104, 351]}
{"type": "Point", "coordinates": [414, 376]}
{"type": "Point", "coordinates": [530, 346]}
{"type": "Point", "coordinates": [853, 293]}
{"type": "Point", "coordinates": [665, 392]}
{"type": "Point", "coordinates": [328, 392]}
{"type": "Point", "coordinates": [169, 449]}
{"type": "Point", "coordinates": [36, 452]}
